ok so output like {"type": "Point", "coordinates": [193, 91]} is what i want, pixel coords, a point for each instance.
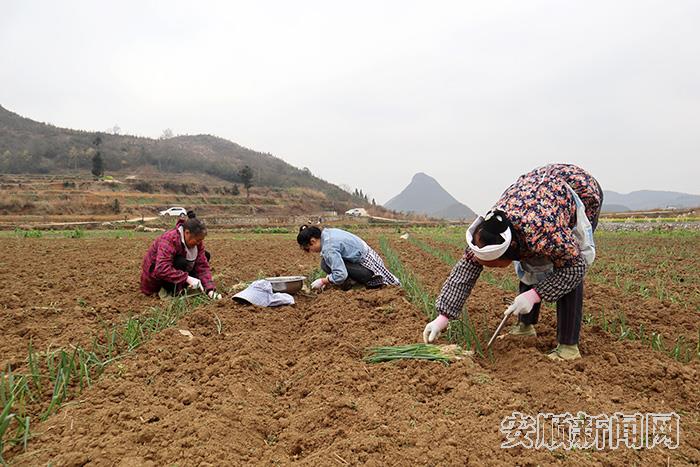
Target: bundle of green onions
{"type": "Point", "coordinates": [439, 353]}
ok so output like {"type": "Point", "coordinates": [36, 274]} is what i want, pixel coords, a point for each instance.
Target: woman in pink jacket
{"type": "Point", "coordinates": [177, 260]}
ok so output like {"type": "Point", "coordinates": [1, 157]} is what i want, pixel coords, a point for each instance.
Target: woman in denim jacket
{"type": "Point", "coordinates": [345, 258]}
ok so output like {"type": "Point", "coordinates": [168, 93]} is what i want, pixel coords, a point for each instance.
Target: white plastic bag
{"type": "Point", "coordinates": [583, 230]}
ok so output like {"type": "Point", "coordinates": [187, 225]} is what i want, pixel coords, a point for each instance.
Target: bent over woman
{"type": "Point", "coordinates": [345, 258]}
{"type": "Point", "coordinates": [544, 222]}
{"type": "Point", "coordinates": [177, 260]}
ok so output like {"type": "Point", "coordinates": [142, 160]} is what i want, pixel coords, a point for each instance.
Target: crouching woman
{"type": "Point", "coordinates": [177, 260]}
{"type": "Point", "coordinates": [345, 258]}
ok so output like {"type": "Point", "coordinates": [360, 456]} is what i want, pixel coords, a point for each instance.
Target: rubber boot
{"type": "Point", "coordinates": [377, 286]}
{"type": "Point", "coordinates": [522, 330]}
{"type": "Point", "coordinates": [347, 285]}
{"type": "Point", "coordinates": [164, 294]}
{"type": "Point", "coordinates": [564, 352]}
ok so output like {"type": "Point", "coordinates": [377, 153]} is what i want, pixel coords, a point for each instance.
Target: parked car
{"type": "Point", "coordinates": [174, 211]}
{"type": "Point", "coordinates": [356, 212]}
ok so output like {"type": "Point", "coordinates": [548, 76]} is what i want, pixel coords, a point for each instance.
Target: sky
{"type": "Point", "coordinates": [368, 93]}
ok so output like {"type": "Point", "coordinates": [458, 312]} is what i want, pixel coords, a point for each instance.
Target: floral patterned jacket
{"type": "Point", "coordinates": [542, 212]}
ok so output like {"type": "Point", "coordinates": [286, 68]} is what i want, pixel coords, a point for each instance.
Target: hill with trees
{"type": "Point", "coordinates": [31, 147]}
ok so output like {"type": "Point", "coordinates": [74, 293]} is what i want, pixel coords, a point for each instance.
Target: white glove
{"type": "Point", "coordinates": [318, 284]}
{"type": "Point", "coordinates": [214, 295]}
{"type": "Point", "coordinates": [195, 283]}
{"type": "Point", "coordinates": [434, 328]}
{"type": "Point", "coordinates": [523, 303]}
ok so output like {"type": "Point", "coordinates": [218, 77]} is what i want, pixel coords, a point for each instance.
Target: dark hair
{"type": "Point", "coordinates": [194, 225]}
{"type": "Point", "coordinates": [306, 233]}
{"type": "Point", "coordinates": [489, 231]}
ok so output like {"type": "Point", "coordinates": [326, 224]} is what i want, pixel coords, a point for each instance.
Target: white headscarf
{"type": "Point", "coordinates": [488, 252]}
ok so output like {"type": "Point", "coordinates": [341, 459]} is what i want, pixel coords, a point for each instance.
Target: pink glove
{"type": "Point", "coordinates": [434, 328]}
{"type": "Point", "coordinates": [523, 303]}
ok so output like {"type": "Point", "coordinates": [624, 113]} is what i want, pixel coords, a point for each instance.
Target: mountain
{"type": "Point", "coordinates": [614, 207]}
{"type": "Point", "coordinates": [648, 199]}
{"type": "Point", "coordinates": [424, 195]}
{"type": "Point", "coordinates": [27, 146]}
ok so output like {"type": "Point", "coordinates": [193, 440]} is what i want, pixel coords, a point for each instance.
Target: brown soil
{"type": "Point", "coordinates": [669, 318]}
{"type": "Point", "coordinates": [58, 292]}
{"type": "Point", "coordinates": [287, 385]}
{"type": "Point", "coordinates": [62, 291]}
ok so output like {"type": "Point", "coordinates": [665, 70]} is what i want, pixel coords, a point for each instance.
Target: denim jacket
{"type": "Point", "coordinates": [338, 246]}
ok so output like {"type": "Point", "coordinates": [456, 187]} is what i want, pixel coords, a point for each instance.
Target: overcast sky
{"type": "Point", "coordinates": [369, 93]}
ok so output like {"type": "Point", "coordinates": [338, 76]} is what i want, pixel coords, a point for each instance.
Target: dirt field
{"type": "Point", "coordinates": [288, 385]}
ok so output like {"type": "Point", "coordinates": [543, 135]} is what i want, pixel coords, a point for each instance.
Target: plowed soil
{"type": "Point", "coordinates": [671, 318]}
{"type": "Point", "coordinates": [288, 385]}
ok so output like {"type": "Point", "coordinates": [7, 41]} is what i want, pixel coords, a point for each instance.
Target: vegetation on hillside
{"type": "Point", "coordinates": [27, 146]}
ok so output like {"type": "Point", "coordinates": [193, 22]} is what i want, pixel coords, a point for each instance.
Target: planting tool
{"type": "Point", "coordinates": [500, 326]}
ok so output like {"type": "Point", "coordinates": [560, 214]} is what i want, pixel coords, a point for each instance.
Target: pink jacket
{"type": "Point", "coordinates": [157, 267]}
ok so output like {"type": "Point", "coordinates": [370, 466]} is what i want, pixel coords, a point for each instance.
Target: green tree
{"type": "Point", "coordinates": [246, 175]}
{"type": "Point", "coordinates": [98, 169]}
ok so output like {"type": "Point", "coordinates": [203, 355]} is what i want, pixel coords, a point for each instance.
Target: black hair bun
{"type": "Point", "coordinates": [303, 227]}
{"type": "Point", "coordinates": [191, 215]}
{"type": "Point", "coordinates": [496, 222]}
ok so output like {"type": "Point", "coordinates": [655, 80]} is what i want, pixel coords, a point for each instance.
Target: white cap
{"type": "Point", "coordinates": [488, 252]}
{"type": "Point", "coordinates": [260, 293]}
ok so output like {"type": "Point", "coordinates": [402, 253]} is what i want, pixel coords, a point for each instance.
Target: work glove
{"type": "Point", "coordinates": [434, 328]}
{"type": "Point", "coordinates": [319, 284]}
{"type": "Point", "coordinates": [214, 295]}
{"type": "Point", "coordinates": [523, 303]}
{"type": "Point", "coordinates": [195, 283]}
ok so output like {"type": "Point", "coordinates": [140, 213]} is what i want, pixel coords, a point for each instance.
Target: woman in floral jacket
{"type": "Point", "coordinates": [537, 224]}
{"type": "Point", "coordinates": [177, 260]}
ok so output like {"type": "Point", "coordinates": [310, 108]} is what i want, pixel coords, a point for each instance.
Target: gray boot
{"type": "Point", "coordinates": [564, 352]}
{"type": "Point", "coordinates": [164, 294]}
{"type": "Point", "coordinates": [522, 330]}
